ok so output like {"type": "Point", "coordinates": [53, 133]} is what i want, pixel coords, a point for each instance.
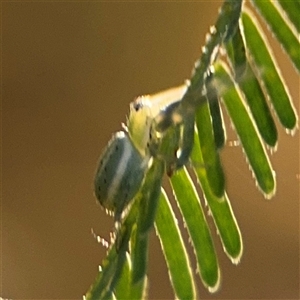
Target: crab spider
{"type": "Point", "coordinates": [154, 129]}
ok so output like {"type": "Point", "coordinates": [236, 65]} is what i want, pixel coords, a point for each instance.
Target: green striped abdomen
{"type": "Point", "coordinates": [120, 173]}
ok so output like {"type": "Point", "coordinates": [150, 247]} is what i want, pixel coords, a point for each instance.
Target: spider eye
{"type": "Point", "coordinates": [137, 105]}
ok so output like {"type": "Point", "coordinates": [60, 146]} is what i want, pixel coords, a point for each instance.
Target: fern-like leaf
{"type": "Point", "coordinates": [241, 81]}
{"type": "Point", "coordinates": [173, 248]}
{"type": "Point", "coordinates": [281, 29]}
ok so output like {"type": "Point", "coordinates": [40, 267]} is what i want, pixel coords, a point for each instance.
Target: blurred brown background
{"type": "Point", "coordinates": [69, 71]}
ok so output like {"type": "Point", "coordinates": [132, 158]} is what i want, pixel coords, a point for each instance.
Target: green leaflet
{"type": "Point", "coordinates": [292, 10]}
{"type": "Point", "coordinates": [99, 287]}
{"type": "Point", "coordinates": [174, 250]}
{"type": "Point", "coordinates": [112, 265]}
{"type": "Point", "coordinates": [190, 207]}
{"type": "Point", "coordinates": [259, 108]}
{"type": "Point", "coordinates": [220, 210]}
{"type": "Point", "coordinates": [139, 256]}
{"type": "Point", "coordinates": [125, 280]}
{"type": "Point", "coordinates": [251, 89]}
{"type": "Point", "coordinates": [106, 279]}
{"type": "Point", "coordinates": [212, 163]}
{"type": "Point", "coordinates": [246, 130]}
{"type": "Point", "coordinates": [217, 118]}
{"type": "Point", "coordinates": [124, 288]}
{"type": "Point", "coordinates": [150, 196]}
{"type": "Point", "coordinates": [280, 28]}
{"type": "Point", "coordinates": [148, 202]}
{"type": "Point", "coordinates": [267, 71]}
{"type": "Point", "coordinates": [117, 275]}
{"type": "Point", "coordinates": [236, 51]}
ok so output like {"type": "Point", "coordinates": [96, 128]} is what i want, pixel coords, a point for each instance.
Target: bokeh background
{"type": "Point", "coordinates": [69, 71]}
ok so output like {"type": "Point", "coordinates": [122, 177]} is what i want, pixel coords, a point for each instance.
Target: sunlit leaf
{"type": "Point", "coordinates": [246, 130]}
{"type": "Point", "coordinates": [292, 10]}
{"type": "Point", "coordinates": [122, 287]}
{"type": "Point", "coordinates": [148, 201]}
{"type": "Point", "coordinates": [236, 52]}
{"type": "Point", "coordinates": [112, 265]}
{"type": "Point", "coordinates": [220, 210]}
{"type": "Point", "coordinates": [217, 119]}
{"type": "Point", "coordinates": [174, 251]}
{"type": "Point", "coordinates": [101, 287]}
{"type": "Point", "coordinates": [281, 29]}
{"type": "Point", "coordinates": [259, 108]}
{"type": "Point", "coordinates": [190, 207]}
{"type": "Point", "coordinates": [249, 85]}
{"type": "Point", "coordinates": [212, 163]}
{"type": "Point", "coordinates": [139, 256]}
{"type": "Point", "coordinates": [267, 70]}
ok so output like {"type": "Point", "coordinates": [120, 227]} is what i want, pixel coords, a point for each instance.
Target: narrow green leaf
{"type": "Point", "coordinates": [100, 286]}
{"type": "Point", "coordinates": [187, 138]}
{"type": "Point", "coordinates": [267, 71]}
{"type": "Point", "coordinates": [138, 290]}
{"type": "Point", "coordinates": [220, 210]}
{"type": "Point", "coordinates": [120, 259]}
{"type": "Point", "coordinates": [217, 120]}
{"type": "Point", "coordinates": [108, 296]}
{"type": "Point", "coordinates": [174, 250]}
{"type": "Point", "coordinates": [281, 29]}
{"type": "Point", "coordinates": [139, 256]}
{"type": "Point", "coordinates": [112, 265]}
{"type": "Point", "coordinates": [125, 289]}
{"type": "Point", "coordinates": [117, 274]}
{"type": "Point", "coordinates": [189, 204]}
{"type": "Point", "coordinates": [108, 277]}
{"type": "Point", "coordinates": [113, 297]}
{"type": "Point", "coordinates": [292, 10]}
{"type": "Point", "coordinates": [150, 192]}
{"type": "Point", "coordinates": [212, 163]}
{"type": "Point", "coordinates": [259, 108]}
{"type": "Point", "coordinates": [148, 201]}
{"type": "Point", "coordinates": [252, 90]}
{"type": "Point", "coordinates": [236, 51]}
{"type": "Point", "coordinates": [246, 130]}
{"type": "Point", "coordinates": [123, 286]}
